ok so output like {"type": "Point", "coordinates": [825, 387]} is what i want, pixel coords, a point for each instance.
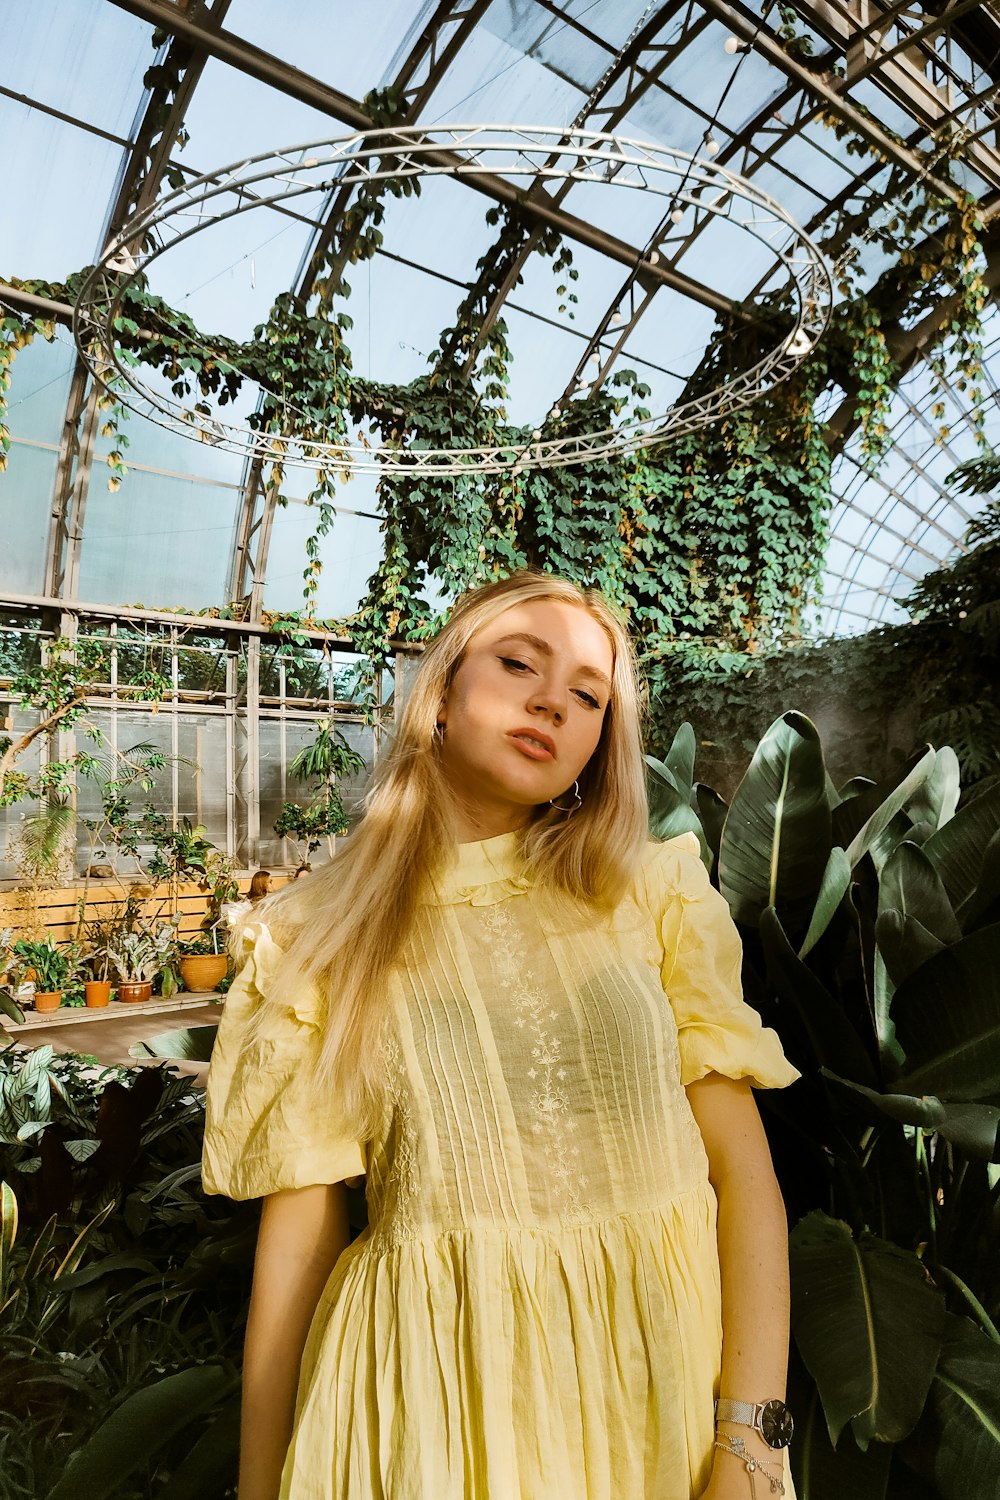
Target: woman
{"type": "Point", "coordinates": [523, 1022]}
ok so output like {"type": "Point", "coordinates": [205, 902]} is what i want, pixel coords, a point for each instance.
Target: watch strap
{"type": "Point", "coordinates": [743, 1413]}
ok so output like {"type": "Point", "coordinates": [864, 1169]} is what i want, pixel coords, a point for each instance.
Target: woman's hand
{"type": "Point", "coordinates": [730, 1479]}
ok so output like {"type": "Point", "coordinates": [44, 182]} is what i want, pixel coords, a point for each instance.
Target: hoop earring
{"type": "Point", "coordinates": [576, 803]}
{"type": "Point", "coordinates": [437, 736]}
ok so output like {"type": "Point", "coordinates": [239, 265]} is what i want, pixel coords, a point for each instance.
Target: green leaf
{"type": "Point", "coordinates": [139, 1429]}
{"type": "Point", "coordinates": [879, 821]}
{"type": "Point", "coordinates": [834, 884]}
{"type": "Point", "coordinates": [868, 1325]}
{"type": "Point", "coordinates": [712, 810]}
{"type": "Point", "coordinates": [957, 850]}
{"type": "Point", "coordinates": [958, 1438]}
{"type": "Point", "coordinates": [8, 1234]}
{"type": "Point", "coordinates": [776, 838]}
{"type": "Point", "coordinates": [972, 1126]}
{"type": "Point", "coordinates": [947, 1019]}
{"type": "Point", "coordinates": [679, 759]}
{"type": "Point", "coordinates": [820, 1470]}
{"type": "Point", "coordinates": [911, 885]}
{"type": "Point", "coordinates": [670, 814]}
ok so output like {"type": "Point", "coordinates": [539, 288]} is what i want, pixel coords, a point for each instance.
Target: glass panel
{"type": "Point", "coordinates": [39, 385]}
{"type": "Point", "coordinates": [12, 818]}
{"type": "Point", "coordinates": [26, 489]}
{"type": "Point", "coordinates": [70, 175]}
{"type": "Point", "coordinates": [160, 541]}
{"type": "Point", "coordinates": [350, 554]}
{"type": "Point", "coordinates": [83, 57]}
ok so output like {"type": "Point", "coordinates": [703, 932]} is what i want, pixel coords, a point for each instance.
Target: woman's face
{"type": "Point", "coordinates": [524, 713]}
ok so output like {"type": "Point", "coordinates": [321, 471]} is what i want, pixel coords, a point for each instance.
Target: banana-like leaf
{"type": "Point", "coordinates": [822, 1472]}
{"type": "Point", "coordinates": [209, 1469]}
{"type": "Point", "coordinates": [8, 1234]}
{"type": "Point", "coordinates": [983, 906]}
{"type": "Point", "coordinates": [194, 1044]}
{"type": "Point", "coordinates": [911, 885]}
{"type": "Point", "coordinates": [776, 838]}
{"type": "Point", "coordinates": [959, 1435]}
{"type": "Point", "coordinates": [10, 1007]}
{"type": "Point", "coordinates": [974, 1127]}
{"type": "Point", "coordinates": [670, 813]}
{"type": "Point", "coordinates": [935, 802]}
{"type": "Point", "coordinates": [878, 822]}
{"type": "Point", "coordinates": [868, 1325]}
{"type": "Point", "coordinates": [957, 850]}
{"type": "Point", "coordinates": [947, 1018]}
{"type": "Point", "coordinates": [712, 810]}
{"type": "Point", "coordinates": [139, 1429]}
{"type": "Point", "coordinates": [679, 759]}
{"type": "Point", "coordinates": [812, 1011]}
{"type": "Point", "coordinates": [904, 944]}
{"type": "Point", "coordinates": [836, 879]}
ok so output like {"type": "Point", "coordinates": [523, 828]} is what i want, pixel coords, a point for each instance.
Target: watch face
{"type": "Point", "coordinates": [776, 1424]}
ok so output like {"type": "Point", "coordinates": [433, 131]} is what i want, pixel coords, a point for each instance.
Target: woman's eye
{"type": "Point", "coordinates": [588, 699]}
{"type": "Point", "coordinates": [514, 664]}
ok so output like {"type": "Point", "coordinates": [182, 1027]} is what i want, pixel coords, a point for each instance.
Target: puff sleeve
{"type": "Point", "coordinates": [269, 1125]}
{"type": "Point", "coordinates": [700, 966]}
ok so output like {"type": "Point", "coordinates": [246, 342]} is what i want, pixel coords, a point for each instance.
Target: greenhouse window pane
{"type": "Point", "coordinates": [26, 489]}
{"type": "Point", "coordinates": [40, 379]}
{"type": "Point", "coordinates": [67, 176]}
{"type": "Point", "coordinates": [160, 541]}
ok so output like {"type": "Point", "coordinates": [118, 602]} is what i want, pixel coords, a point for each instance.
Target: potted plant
{"type": "Point", "coordinates": [46, 966]}
{"type": "Point", "coordinates": [138, 954]}
{"type": "Point", "coordinates": [202, 965]}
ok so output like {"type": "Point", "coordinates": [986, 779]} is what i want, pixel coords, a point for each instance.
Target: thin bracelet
{"type": "Point", "coordinates": [738, 1448]}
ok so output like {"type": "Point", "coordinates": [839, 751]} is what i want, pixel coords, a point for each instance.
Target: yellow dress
{"type": "Point", "coordinates": [533, 1312]}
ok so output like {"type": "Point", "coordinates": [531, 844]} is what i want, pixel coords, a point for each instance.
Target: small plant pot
{"type": "Point", "coordinates": [131, 994]}
{"type": "Point", "coordinates": [46, 1000]}
{"type": "Point", "coordinates": [97, 993]}
{"type": "Point", "coordinates": [203, 971]}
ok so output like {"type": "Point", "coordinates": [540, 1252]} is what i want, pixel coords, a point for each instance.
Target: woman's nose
{"type": "Point", "coordinates": [550, 699]}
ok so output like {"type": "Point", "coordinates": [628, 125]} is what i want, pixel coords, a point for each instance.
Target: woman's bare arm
{"type": "Point", "coordinates": [302, 1234]}
{"type": "Point", "coordinates": [753, 1256]}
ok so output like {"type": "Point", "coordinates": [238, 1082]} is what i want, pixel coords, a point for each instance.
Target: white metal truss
{"type": "Point", "coordinates": [511, 160]}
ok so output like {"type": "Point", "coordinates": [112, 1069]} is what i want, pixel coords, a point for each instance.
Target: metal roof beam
{"type": "Point", "coordinates": [751, 31]}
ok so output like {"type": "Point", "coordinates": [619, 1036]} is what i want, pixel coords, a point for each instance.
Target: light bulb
{"type": "Point", "coordinates": [677, 216]}
{"type": "Point", "coordinates": [616, 317]}
{"type": "Point", "coordinates": [595, 358]}
{"type": "Point", "coordinates": [536, 435]}
{"type": "Point", "coordinates": [711, 147]}
{"type": "Point", "coordinates": [731, 45]}
{"type": "Point", "coordinates": [654, 256]}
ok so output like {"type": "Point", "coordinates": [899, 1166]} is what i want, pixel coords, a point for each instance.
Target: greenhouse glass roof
{"type": "Point", "coordinates": [765, 90]}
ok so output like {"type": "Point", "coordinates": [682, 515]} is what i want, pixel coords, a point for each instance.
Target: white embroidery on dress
{"type": "Point", "coordinates": [395, 1225]}
{"type": "Point", "coordinates": [553, 1118]}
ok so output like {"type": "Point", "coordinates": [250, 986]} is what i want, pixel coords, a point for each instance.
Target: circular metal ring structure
{"type": "Point", "coordinates": [521, 157]}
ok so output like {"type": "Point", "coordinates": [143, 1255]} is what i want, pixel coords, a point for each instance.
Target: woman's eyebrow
{"type": "Point", "coordinates": [545, 649]}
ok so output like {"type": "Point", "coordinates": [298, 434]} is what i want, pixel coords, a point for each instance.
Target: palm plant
{"type": "Point", "coordinates": [870, 918]}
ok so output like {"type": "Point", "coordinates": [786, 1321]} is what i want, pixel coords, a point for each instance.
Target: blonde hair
{"type": "Point", "coordinates": [345, 928]}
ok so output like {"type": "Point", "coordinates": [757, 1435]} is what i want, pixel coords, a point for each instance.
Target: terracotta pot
{"type": "Point", "coordinates": [48, 999]}
{"type": "Point", "coordinates": [202, 971]}
{"type": "Point", "coordinates": [97, 993]}
{"type": "Point", "coordinates": [131, 994]}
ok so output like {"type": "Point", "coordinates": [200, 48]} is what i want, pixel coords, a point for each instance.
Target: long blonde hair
{"type": "Point", "coordinates": [344, 928]}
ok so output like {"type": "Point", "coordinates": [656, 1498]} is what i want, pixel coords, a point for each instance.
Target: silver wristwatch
{"type": "Point", "coordinates": [771, 1419]}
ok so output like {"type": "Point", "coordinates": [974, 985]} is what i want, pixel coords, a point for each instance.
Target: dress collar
{"type": "Point", "coordinates": [483, 872]}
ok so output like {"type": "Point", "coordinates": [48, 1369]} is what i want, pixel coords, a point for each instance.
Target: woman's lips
{"type": "Point", "coordinates": [536, 746]}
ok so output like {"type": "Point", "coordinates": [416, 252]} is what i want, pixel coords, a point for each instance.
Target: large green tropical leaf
{"type": "Point", "coordinates": [947, 1019]}
{"type": "Point", "coordinates": [935, 801]}
{"type": "Point", "coordinates": [776, 838]}
{"type": "Point", "coordinates": [868, 1325]}
{"type": "Point", "coordinates": [712, 810]}
{"type": "Point", "coordinates": [191, 1044]}
{"type": "Point", "coordinates": [8, 1234]}
{"type": "Point", "coordinates": [822, 1472]}
{"type": "Point", "coordinates": [679, 760]}
{"type": "Point", "coordinates": [811, 1011]}
{"type": "Point", "coordinates": [983, 906]}
{"type": "Point", "coordinates": [974, 1127]}
{"type": "Point", "coordinates": [904, 944]}
{"type": "Point", "coordinates": [209, 1469]}
{"type": "Point", "coordinates": [833, 886]}
{"type": "Point", "coordinates": [957, 849]}
{"type": "Point", "coordinates": [876, 835]}
{"type": "Point", "coordinates": [138, 1429]}
{"type": "Point", "coordinates": [910, 884]}
{"type": "Point", "coordinates": [958, 1440]}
